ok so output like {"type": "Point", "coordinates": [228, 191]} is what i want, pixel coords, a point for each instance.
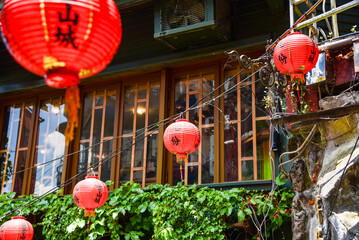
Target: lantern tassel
{"type": "Point", "coordinates": [72, 97]}
{"type": "Point", "coordinates": [300, 100]}
{"type": "Point", "coordinates": [297, 77]}
{"type": "Point", "coordinates": [88, 227]}
{"type": "Point", "coordinates": [89, 213]}
{"type": "Point", "coordinates": [181, 169]}
{"type": "Point", "coordinates": [181, 159]}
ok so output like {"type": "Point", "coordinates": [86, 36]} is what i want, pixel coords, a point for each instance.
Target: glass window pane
{"type": "Point", "coordinates": [207, 155]}
{"type": "Point", "coordinates": [154, 105]}
{"type": "Point", "coordinates": [52, 146]}
{"type": "Point", "coordinates": [110, 114]}
{"type": "Point", "coordinates": [137, 176]}
{"type": "Point", "coordinates": [246, 124]}
{"type": "Point", "coordinates": [139, 151]}
{"type": "Point", "coordinates": [99, 98]}
{"type": "Point", "coordinates": [180, 96]}
{"type": "Point", "coordinates": [207, 88]}
{"type": "Point", "coordinates": [247, 147]}
{"type": "Point", "coordinates": [193, 115]}
{"type": "Point", "coordinates": [151, 159]}
{"type": "Point", "coordinates": [128, 111]}
{"type": "Point", "coordinates": [260, 103]}
{"type": "Point", "coordinates": [142, 91]}
{"type": "Point", "coordinates": [230, 99]}
{"type": "Point", "coordinates": [263, 158]}
{"type": "Point", "coordinates": [19, 177]}
{"type": "Point", "coordinates": [194, 82]}
{"type": "Point", "coordinates": [83, 159]}
{"type": "Point", "coordinates": [230, 153]}
{"type": "Point", "coordinates": [247, 170]}
{"type": "Point", "coordinates": [246, 77]}
{"type": "Point", "coordinates": [106, 165]}
{"type": "Point", "coordinates": [26, 126]}
{"type": "Point", "coordinates": [97, 128]}
{"type": "Point", "coordinates": [141, 116]}
{"type": "Point", "coordinates": [192, 174]}
{"type": "Point", "coordinates": [125, 165]}
{"type": "Point", "coordinates": [87, 117]}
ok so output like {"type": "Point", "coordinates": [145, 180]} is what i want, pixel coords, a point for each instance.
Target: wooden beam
{"type": "Point", "coordinates": [323, 114]}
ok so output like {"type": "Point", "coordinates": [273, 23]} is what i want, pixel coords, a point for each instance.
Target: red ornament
{"type": "Point", "coordinates": [182, 138]}
{"type": "Point", "coordinates": [62, 40]}
{"type": "Point", "coordinates": [90, 194]}
{"type": "Point", "coordinates": [16, 229]}
{"type": "Point", "coordinates": [296, 55]}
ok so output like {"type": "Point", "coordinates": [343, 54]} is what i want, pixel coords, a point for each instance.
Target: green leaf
{"type": "Point", "coordinates": [248, 211]}
{"type": "Point", "coordinates": [241, 215]}
{"type": "Point", "coordinates": [280, 180]}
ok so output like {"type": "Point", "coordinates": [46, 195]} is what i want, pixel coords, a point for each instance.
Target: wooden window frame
{"type": "Point", "coordinates": [238, 123]}
{"type": "Point", "coordinates": [148, 79]}
{"type": "Point", "coordinates": [197, 70]}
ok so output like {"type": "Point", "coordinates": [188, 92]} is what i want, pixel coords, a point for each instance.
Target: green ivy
{"type": "Point", "coordinates": [156, 212]}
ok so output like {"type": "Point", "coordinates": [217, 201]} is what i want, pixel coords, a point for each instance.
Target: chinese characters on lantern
{"type": "Point", "coordinates": [68, 37]}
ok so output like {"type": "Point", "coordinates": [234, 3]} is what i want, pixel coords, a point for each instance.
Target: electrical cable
{"type": "Point", "coordinates": [69, 181]}
{"type": "Point", "coordinates": [85, 149]}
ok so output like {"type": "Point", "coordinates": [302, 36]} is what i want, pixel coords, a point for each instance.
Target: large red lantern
{"type": "Point", "coordinates": [296, 55]}
{"type": "Point", "coordinates": [182, 138]}
{"type": "Point", "coordinates": [90, 194]}
{"type": "Point", "coordinates": [16, 229]}
{"type": "Point", "coordinates": [62, 40]}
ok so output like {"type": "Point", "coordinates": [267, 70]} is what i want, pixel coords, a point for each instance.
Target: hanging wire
{"type": "Point", "coordinates": [72, 179]}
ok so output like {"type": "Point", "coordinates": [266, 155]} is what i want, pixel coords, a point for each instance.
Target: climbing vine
{"type": "Point", "coordinates": [156, 212]}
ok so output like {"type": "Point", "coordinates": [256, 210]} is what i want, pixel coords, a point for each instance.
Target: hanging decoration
{"type": "Point", "coordinates": [16, 229]}
{"type": "Point", "coordinates": [296, 55]}
{"type": "Point", "coordinates": [62, 41]}
{"type": "Point", "coordinates": [182, 138]}
{"type": "Point", "coordinates": [90, 194]}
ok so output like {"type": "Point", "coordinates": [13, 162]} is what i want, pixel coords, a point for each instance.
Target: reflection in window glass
{"type": "Point", "coordinates": [98, 124]}
{"type": "Point", "coordinates": [246, 142]}
{"type": "Point", "coordinates": [139, 151]}
{"type": "Point", "coordinates": [189, 89]}
{"type": "Point", "coordinates": [50, 145]}
{"type": "Point", "coordinates": [14, 146]}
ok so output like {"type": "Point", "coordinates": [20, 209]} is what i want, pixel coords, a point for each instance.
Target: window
{"type": "Point", "coordinates": [14, 148]}
{"type": "Point", "coordinates": [140, 114]}
{"type": "Point", "coordinates": [50, 145]}
{"type": "Point", "coordinates": [190, 88]}
{"type": "Point", "coordinates": [98, 131]}
{"type": "Point", "coordinates": [246, 138]}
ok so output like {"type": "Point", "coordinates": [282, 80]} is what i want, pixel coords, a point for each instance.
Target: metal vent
{"type": "Point", "coordinates": [181, 13]}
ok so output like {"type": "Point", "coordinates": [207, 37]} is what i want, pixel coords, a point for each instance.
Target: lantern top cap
{"type": "Point", "coordinates": [295, 33]}
{"type": "Point", "coordinates": [182, 120]}
{"type": "Point", "coordinates": [95, 177]}
{"type": "Point", "coordinates": [17, 217]}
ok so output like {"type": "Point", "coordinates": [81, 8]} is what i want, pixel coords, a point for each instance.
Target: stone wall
{"type": "Point", "coordinates": [317, 175]}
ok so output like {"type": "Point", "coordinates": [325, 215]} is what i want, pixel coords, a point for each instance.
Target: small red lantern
{"type": "Point", "coordinates": [63, 41]}
{"type": "Point", "coordinates": [182, 138]}
{"type": "Point", "coordinates": [90, 194]}
{"type": "Point", "coordinates": [16, 229]}
{"type": "Point", "coordinates": [296, 55]}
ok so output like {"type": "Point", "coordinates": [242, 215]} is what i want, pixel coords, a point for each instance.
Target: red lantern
{"type": "Point", "coordinates": [62, 40]}
{"type": "Point", "coordinates": [182, 138]}
{"type": "Point", "coordinates": [90, 194]}
{"type": "Point", "coordinates": [296, 55]}
{"type": "Point", "coordinates": [16, 229]}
